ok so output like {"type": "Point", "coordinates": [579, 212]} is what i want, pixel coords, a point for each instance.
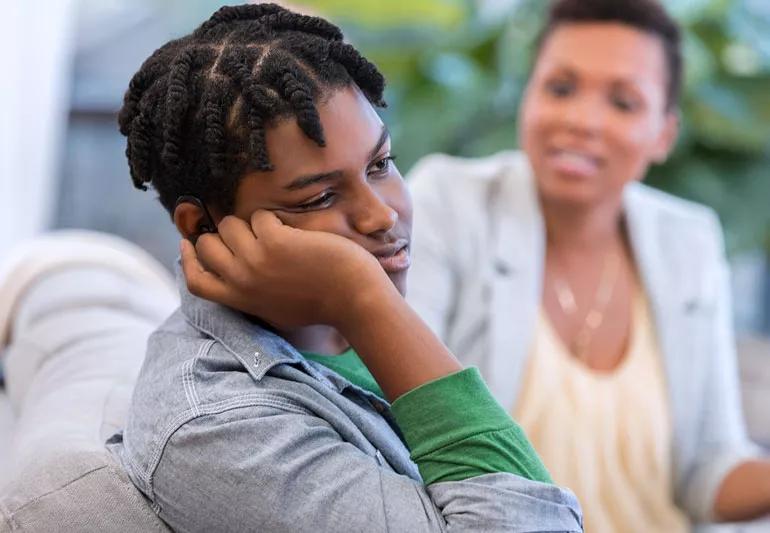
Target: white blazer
{"type": "Point", "coordinates": [478, 251]}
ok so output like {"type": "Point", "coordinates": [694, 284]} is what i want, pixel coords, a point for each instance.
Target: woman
{"type": "Point", "coordinates": [596, 308]}
{"type": "Point", "coordinates": [252, 410]}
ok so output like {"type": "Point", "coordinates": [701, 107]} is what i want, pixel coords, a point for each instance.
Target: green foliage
{"type": "Point", "coordinates": [378, 15]}
{"type": "Point", "coordinates": [456, 72]}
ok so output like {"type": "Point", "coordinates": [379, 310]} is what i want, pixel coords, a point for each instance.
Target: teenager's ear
{"type": "Point", "coordinates": [190, 220]}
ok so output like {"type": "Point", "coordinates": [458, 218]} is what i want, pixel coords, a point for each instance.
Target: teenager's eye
{"type": "Point", "coordinates": [323, 201]}
{"type": "Point", "coordinates": [560, 88]}
{"type": "Point", "coordinates": [382, 166]}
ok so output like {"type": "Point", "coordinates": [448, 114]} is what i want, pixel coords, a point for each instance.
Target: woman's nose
{"type": "Point", "coordinates": [585, 114]}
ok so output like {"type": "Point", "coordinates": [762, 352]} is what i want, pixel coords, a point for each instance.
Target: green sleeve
{"type": "Point", "coordinates": [456, 430]}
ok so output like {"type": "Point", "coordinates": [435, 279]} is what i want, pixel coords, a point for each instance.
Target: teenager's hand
{"type": "Point", "coordinates": [285, 276]}
{"type": "Point", "coordinates": [291, 277]}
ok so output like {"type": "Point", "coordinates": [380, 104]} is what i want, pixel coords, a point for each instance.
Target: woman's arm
{"type": "Point", "coordinates": [719, 479]}
{"type": "Point", "coordinates": [745, 492]}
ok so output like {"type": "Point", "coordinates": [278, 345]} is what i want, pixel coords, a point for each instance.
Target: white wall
{"type": "Point", "coordinates": [36, 39]}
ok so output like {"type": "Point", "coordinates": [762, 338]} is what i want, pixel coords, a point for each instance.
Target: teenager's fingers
{"type": "Point", "coordinates": [263, 222]}
{"type": "Point", "coordinates": [200, 282]}
{"type": "Point", "coordinates": [214, 255]}
{"type": "Point", "coordinates": [189, 257]}
{"type": "Point", "coordinates": [281, 215]}
{"type": "Point", "coordinates": [237, 235]}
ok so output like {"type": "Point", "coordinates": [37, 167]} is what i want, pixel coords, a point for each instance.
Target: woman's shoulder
{"type": "Point", "coordinates": [450, 182]}
{"type": "Point", "coordinates": [648, 203]}
{"type": "Point", "coordinates": [671, 230]}
{"type": "Point", "coordinates": [439, 169]}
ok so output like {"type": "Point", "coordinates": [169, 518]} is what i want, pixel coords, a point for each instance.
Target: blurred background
{"type": "Point", "coordinates": [456, 70]}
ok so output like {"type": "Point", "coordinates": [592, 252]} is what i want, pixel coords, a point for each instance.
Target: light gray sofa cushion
{"type": "Point", "coordinates": [77, 492]}
{"type": "Point", "coordinates": [77, 340]}
{"type": "Point", "coordinates": [7, 423]}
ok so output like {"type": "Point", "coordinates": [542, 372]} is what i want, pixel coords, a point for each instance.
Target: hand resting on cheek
{"type": "Point", "coordinates": [286, 276]}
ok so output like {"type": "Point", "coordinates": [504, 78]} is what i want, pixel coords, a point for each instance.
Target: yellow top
{"type": "Point", "coordinates": [605, 435]}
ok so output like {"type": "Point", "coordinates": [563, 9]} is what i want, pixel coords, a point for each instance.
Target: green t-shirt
{"type": "Point", "coordinates": [454, 427]}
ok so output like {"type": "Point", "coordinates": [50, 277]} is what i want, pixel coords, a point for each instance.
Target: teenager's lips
{"type": "Point", "coordinates": [394, 257]}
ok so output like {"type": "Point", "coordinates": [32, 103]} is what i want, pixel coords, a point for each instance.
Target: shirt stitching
{"type": "Point", "coordinates": [188, 377]}
{"type": "Point", "coordinates": [250, 400]}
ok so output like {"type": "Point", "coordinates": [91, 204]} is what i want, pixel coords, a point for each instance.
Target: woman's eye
{"type": "Point", "coordinates": [624, 103]}
{"type": "Point", "coordinates": [560, 88]}
{"type": "Point", "coordinates": [325, 200]}
{"type": "Point", "coordinates": [382, 166]}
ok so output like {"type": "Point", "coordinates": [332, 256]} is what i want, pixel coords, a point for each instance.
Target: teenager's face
{"type": "Point", "coordinates": [350, 187]}
{"type": "Point", "coordinates": [594, 113]}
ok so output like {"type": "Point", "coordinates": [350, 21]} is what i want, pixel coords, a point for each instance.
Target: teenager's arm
{"type": "Point", "coordinates": [401, 352]}
{"type": "Point", "coordinates": [291, 277]}
{"type": "Point", "coordinates": [447, 414]}
{"type": "Point", "coordinates": [729, 479]}
{"type": "Point", "coordinates": [304, 476]}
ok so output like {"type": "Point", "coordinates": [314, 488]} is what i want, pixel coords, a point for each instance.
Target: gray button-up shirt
{"type": "Point", "coordinates": [231, 429]}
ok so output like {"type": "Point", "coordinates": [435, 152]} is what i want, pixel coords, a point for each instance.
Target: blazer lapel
{"type": "Point", "coordinates": [672, 286]}
{"type": "Point", "coordinates": [516, 277]}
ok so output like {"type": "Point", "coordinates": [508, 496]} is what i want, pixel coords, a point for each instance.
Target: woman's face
{"type": "Point", "coordinates": [594, 113]}
{"type": "Point", "coordinates": [350, 187]}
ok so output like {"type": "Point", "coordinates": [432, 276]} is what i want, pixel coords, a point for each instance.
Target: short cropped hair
{"type": "Point", "coordinates": [645, 15]}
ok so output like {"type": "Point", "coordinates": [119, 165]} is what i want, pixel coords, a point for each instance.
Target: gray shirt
{"type": "Point", "coordinates": [231, 429]}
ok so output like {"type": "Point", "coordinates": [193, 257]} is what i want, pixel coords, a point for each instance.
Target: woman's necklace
{"type": "Point", "coordinates": [595, 316]}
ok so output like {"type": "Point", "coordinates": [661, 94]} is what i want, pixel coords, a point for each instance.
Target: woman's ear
{"type": "Point", "coordinates": [190, 220]}
{"type": "Point", "coordinates": [667, 138]}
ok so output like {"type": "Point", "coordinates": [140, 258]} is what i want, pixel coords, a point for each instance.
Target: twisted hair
{"type": "Point", "coordinates": [196, 112]}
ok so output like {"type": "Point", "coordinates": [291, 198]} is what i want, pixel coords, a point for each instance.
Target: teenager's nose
{"type": "Point", "coordinates": [374, 214]}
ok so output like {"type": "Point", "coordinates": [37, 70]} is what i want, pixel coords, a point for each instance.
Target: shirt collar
{"type": "Point", "coordinates": [257, 348]}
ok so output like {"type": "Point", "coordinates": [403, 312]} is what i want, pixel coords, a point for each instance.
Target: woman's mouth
{"type": "Point", "coordinates": [574, 163]}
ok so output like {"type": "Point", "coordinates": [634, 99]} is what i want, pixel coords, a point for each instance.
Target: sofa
{"type": "Point", "coordinates": [76, 309]}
